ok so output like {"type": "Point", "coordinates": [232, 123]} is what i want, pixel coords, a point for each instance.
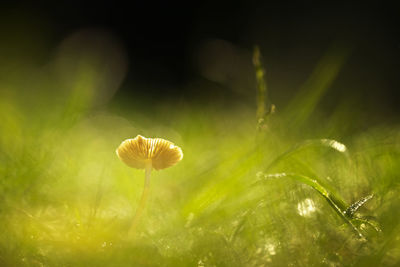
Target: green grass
{"type": "Point", "coordinates": [302, 190]}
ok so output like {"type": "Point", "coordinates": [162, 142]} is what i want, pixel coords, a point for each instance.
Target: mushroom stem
{"type": "Point", "coordinates": [143, 199]}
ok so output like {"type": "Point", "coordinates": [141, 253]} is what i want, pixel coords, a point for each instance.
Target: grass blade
{"type": "Point", "coordinates": [329, 143]}
{"type": "Point", "coordinates": [326, 71]}
{"type": "Point", "coordinates": [320, 189]}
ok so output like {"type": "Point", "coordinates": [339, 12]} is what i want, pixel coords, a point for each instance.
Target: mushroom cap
{"type": "Point", "coordinates": [140, 151]}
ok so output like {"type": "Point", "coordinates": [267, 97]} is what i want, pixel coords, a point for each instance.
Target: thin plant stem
{"type": "Point", "coordinates": [143, 199]}
{"type": "Point", "coordinates": [261, 85]}
{"type": "Point", "coordinates": [264, 105]}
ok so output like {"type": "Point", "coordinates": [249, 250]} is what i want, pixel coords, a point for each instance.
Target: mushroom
{"type": "Point", "coordinates": [148, 153]}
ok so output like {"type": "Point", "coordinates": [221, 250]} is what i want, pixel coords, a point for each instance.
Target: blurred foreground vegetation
{"type": "Point", "coordinates": [238, 198]}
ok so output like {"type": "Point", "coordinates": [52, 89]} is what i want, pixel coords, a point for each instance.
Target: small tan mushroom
{"type": "Point", "coordinates": [140, 152]}
{"type": "Point", "coordinates": [148, 154]}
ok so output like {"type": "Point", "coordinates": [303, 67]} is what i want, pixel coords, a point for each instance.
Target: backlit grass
{"type": "Point", "coordinates": [297, 191]}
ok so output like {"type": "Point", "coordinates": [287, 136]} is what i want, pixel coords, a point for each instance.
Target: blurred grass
{"type": "Point", "coordinates": [66, 199]}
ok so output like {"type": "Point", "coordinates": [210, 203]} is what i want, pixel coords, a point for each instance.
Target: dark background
{"type": "Point", "coordinates": [161, 39]}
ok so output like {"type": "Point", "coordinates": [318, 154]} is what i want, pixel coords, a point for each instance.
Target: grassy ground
{"type": "Point", "coordinates": [247, 193]}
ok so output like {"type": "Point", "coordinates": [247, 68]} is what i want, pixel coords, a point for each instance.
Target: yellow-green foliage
{"type": "Point", "coordinates": [66, 199]}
